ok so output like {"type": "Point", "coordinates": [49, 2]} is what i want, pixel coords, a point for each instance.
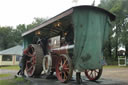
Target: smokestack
{"type": "Point", "coordinates": [93, 4]}
{"type": "Point", "coordinates": [75, 1]}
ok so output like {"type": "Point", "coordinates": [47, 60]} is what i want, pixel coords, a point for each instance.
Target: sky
{"type": "Point", "coordinates": [15, 12]}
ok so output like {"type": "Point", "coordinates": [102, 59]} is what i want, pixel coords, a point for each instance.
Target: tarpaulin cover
{"type": "Point", "coordinates": [91, 30]}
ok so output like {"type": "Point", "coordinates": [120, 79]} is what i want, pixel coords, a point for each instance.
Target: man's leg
{"type": "Point", "coordinates": [18, 73]}
{"type": "Point", "coordinates": [23, 65]}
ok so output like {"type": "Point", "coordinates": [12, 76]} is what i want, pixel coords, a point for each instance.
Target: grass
{"type": "Point", "coordinates": [10, 67]}
{"type": "Point", "coordinates": [14, 81]}
{"type": "Point", "coordinates": [4, 75]}
{"type": "Point", "coordinates": [17, 81]}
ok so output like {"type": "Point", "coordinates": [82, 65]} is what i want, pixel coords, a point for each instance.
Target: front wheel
{"type": "Point", "coordinates": [93, 74]}
{"type": "Point", "coordinates": [64, 68]}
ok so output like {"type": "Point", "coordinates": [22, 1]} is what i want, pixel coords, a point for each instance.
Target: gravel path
{"type": "Point", "coordinates": [5, 71]}
{"type": "Point", "coordinates": [116, 74]}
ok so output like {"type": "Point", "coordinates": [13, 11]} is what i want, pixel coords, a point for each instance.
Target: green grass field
{"type": "Point", "coordinates": [4, 75]}
{"type": "Point", "coordinates": [10, 67]}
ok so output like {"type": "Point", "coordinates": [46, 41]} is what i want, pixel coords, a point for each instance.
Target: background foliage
{"type": "Point", "coordinates": [10, 37]}
{"type": "Point", "coordinates": [119, 34]}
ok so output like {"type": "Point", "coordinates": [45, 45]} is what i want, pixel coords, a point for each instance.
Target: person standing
{"type": "Point", "coordinates": [23, 61]}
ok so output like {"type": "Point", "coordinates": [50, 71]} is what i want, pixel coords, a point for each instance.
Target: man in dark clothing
{"type": "Point", "coordinates": [20, 65]}
{"type": "Point", "coordinates": [23, 65]}
{"type": "Point", "coordinates": [23, 61]}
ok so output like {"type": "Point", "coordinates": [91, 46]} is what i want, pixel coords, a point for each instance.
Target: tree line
{"type": "Point", "coordinates": [10, 36]}
{"type": "Point", "coordinates": [119, 32]}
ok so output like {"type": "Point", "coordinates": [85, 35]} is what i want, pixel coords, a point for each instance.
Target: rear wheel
{"type": "Point", "coordinates": [34, 64]}
{"type": "Point", "coordinates": [93, 74]}
{"type": "Point", "coordinates": [64, 68]}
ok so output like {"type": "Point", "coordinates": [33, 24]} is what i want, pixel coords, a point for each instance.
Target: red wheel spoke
{"type": "Point", "coordinates": [59, 63]}
{"type": "Point", "coordinates": [28, 61]}
{"type": "Point", "coordinates": [65, 76]}
{"type": "Point", "coordinates": [96, 71]}
{"type": "Point", "coordinates": [65, 60]}
{"type": "Point", "coordinates": [66, 68]}
{"type": "Point", "coordinates": [60, 72]}
{"type": "Point", "coordinates": [91, 73]}
{"type": "Point", "coordinates": [30, 68]}
{"type": "Point", "coordinates": [31, 55]}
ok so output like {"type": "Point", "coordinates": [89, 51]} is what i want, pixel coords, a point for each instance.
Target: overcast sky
{"type": "Point", "coordinates": [14, 12]}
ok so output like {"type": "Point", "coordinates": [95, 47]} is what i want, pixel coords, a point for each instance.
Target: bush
{"type": "Point", "coordinates": [111, 61]}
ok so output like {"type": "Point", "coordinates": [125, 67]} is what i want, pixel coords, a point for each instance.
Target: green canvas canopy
{"type": "Point", "coordinates": [91, 30]}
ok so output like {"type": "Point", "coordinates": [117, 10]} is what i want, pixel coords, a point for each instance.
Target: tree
{"type": "Point", "coordinates": [18, 32]}
{"type": "Point", "coordinates": [6, 37]}
{"type": "Point", "coordinates": [119, 8]}
{"type": "Point", "coordinates": [37, 21]}
{"type": "Point", "coordinates": [21, 28]}
{"type": "Point", "coordinates": [10, 37]}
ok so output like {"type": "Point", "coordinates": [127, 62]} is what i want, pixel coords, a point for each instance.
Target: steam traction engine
{"type": "Point", "coordinates": [72, 40]}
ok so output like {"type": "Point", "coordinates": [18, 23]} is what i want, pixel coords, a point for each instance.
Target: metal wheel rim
{"type": "Point", "coordinates": [63, 69]}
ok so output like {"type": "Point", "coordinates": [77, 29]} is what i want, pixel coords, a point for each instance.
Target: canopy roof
{"type": "Point", "coordinates": [67, 14]}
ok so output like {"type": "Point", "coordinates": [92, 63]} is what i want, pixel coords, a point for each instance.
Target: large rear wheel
{"type": "Point", "coordinates": [93, 74]}
{"type": "Point", "coordinates": [64, 68]}
{"type": "Point", "coordinates": [34, 64]}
